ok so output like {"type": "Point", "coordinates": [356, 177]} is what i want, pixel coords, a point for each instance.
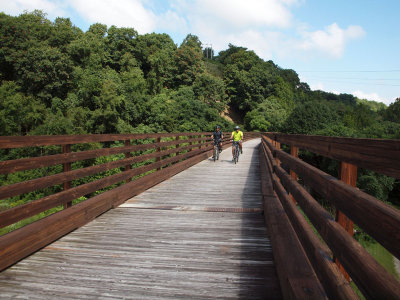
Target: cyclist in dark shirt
{"type": "Point", "coordinates": [217, 137]}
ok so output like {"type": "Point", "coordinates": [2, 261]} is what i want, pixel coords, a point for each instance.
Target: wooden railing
{"type": "Point", "coordinates": [376, 218]}
{"type": "Point", "coordinates": [73, 196]}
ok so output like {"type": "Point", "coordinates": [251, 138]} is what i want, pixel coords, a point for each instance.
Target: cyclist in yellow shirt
{"type": "Point", "coordinates": [237, 136]}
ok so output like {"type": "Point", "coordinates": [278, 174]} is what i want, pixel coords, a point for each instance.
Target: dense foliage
{"type": "Point", "coordinates": [57, 79]}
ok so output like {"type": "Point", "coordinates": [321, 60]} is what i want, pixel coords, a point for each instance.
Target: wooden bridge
{"type": "Point", "coordinates": [151, 216]}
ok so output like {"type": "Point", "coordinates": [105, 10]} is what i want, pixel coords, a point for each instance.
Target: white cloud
{"type": "Point", "coordinates": [121, 13]}
{"type": "Point", "coordinates": [236, 14]}
{"type": "Point", "coordinates": [172, 22]}
{"type": "Point", "coordinates": [317, 86]}
{"type": "Point", "coordinates": [253, 24]}
{"type": "Point", "coordinates": [332, 40]}
{"type": "Point", "coordinates": [371, 96]}
{"type": "Point", "coordinates": [17, 7]}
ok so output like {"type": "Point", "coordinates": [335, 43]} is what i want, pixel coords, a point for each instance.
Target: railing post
{"type": "Point", "coordinates": [158, 150]}
{"type": "Point", "coordinates": [190, 143]}
{"type": "Point", "coordinates": [278, 147]}
{"type": "Point", "coordinates": [294, 151]}
{"type": "Point", "coordinates": [127, 155]}
{"type": "Point", "coordinates": [177, 145]}
{"type": "Point", "coordinates": [348, 174]}
{"type": "Point", "coordinates": [67, 168]}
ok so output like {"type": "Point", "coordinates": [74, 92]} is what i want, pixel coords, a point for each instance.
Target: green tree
{"type": "Point", "coordinates": [155, 55]}
{"type": "Point", "coordinates": [210, 90]}
{"type": "Point", "coordinates": [310, 117]}
{"type": "Point", "coordinates": [392, 113]}
{"type": "Point", "coordinates": [270, 115]}
{"type": "Point", "coordinates": [43, 71]}
{"type": "Point", "coordinates": [19, 114]}
{"type": "Point", "coordinates": [189, 61]}
{"type": "Point", "coordinates": [118, 42]}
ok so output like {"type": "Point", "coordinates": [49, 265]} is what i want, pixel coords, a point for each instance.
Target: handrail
{"type": "Point", "coordinates": [378, 219]}
{"type": "Point", "coordinates": [138, 162]}
{"type": "Point", "coordinates": [378, 155]}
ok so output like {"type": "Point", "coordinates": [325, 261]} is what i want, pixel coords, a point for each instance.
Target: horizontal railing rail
{"type": "Point", "coordinates": [379, 155]}
{"type": "Point", "coordinates": [379, 220]}
{"type": "Point", "coordinates": [89, 175]}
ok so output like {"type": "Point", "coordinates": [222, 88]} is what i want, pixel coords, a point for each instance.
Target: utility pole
{"type": "Point", "coordinates": [208, 50]}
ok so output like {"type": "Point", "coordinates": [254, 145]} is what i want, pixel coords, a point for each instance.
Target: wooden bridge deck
{"type": "Point", "coordinates": [198, 235]}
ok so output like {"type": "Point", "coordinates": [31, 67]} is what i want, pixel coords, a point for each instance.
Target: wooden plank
{"type": "Point", "coordinates": [43, 182]}
{"type": "Point", "coordinates": [296, 275]}
{"type": "Point", "coordinates": [294, 151]}
{"type": "Point", "coordinates": [334, 283]}
{"type": "Point", "coordinates": [372, 279]}
{"type": "Point", "coordinates": [11, 166]}
{"type": "Point", "coordinates": [153, 254]}
{"type": "Point", "coordinates": [348, 174]}
{"type": "Point", "coordinates": [162, 253]}
{"type": "Point", "coordinates": [19, 245]}
{"type": "Point", "coordinates": [379, 155]}
{"type": "Point", "coordinates": [7, 142]}
{"type": "Point", "coordinates": [66, 168]}
{"type": "Point", "coordinates": [378, 219]}
{"type": "Point", "coordinates": [32, 208]}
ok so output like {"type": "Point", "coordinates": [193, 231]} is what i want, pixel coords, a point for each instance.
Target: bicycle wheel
{"type": "Point", "coordinates": [237, 153]}
{"type": "Point", "coordinates": [215, 153]}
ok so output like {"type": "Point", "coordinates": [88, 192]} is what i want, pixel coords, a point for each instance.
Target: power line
{"type": "Point", "coordinates": [376, 79]}
{"type": "Point", "coordinates": [352, 82]}
{"type": "Point", "coordinates": [347, 71]}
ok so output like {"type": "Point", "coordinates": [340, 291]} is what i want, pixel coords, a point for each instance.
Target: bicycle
{"type": "Point", "coordinates": [217, 149]}
{"type": "Point", "coordinates": [216, 153]}
{"type": "Point", "coordinates": [237, 152]}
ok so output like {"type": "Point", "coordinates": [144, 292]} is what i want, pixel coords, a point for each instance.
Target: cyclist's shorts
{"type": "Point", "coordinates": [236, 142]}
{"type": "Point", "coordinates": [217, 141]}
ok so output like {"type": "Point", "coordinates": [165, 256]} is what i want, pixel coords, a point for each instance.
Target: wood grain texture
{"type": "Point", "coordinates": [7, 142]}
{"type": "Point", "coordinates": [148, 252]}
{"type": "Point", "coordinates": [296, 275]}
{"type": "Point", "coordinates": [10, 166]}
{"type": "Point", "coordinates": [379, 155]}
{"type": "Point", "coordinates": [320, 256]}
{"type": "Point", "coordinates": [377, 218]}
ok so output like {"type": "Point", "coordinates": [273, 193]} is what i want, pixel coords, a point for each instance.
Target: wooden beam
{"type": "Point", "coordinates": [349, 176]}
{"type": "Point", "coordinates": [30, 238]}
{"type": "Point", "coordinates": [67, 168]}
{"type": "Point", "coordinates": [379, 155]}
{"type": "Point", "coordinates": [372, 279]}
{"type": "Point", "coordinates": [378, 219]}
{"type": "Point", "coordinates": [8, 142]}
{"type": "Point", "coordinates": [296, 276]}
{"type": "Point", "coordinates": [30, 209]}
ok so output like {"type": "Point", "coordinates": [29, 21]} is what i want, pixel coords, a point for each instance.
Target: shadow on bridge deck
{"type": "Point", "coordinates": [198, 235]}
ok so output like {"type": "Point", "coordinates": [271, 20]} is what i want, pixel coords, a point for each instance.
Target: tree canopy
{"type": "Point", "coordinates": [57, 79]}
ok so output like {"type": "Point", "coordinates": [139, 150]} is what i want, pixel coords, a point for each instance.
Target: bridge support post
{"type": "Point", "coordinates": [191, 143]}
{"type": "Point", "coordinates": [348, 174]}
{"type": "Point", "coordinates": [177, 145]}
{"type": "Point", "coordinates": [127, 155]}
{"type": "Point", "coordinates": [294, 151]}
{"type": "Point", "coordinates": [158, 150]}
{"type": "Point", "coordinates": [277, 145]}
{"type": "Point", "coordinates": [67, 168]}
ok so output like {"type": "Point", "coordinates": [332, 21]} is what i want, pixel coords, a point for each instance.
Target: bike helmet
{"type": "Point", "coordinates": [217, 127]}
{"type": "Point", "coordinates": [237, 127]}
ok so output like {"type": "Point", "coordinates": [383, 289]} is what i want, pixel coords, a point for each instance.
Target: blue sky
{"type": "Point", "coordinates": [337, 46]}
